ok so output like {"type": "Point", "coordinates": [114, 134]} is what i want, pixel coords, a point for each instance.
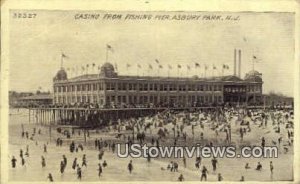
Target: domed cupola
{"type": "Point", "coordinates": [253, 76]}
{"type": "Point", "coordinates": [61, 75]}
{"type": "Point", "coordinates": [107, 70]}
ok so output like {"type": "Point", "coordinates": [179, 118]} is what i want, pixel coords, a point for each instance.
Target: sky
{"type": "Point", "coordinates": [36, 45]}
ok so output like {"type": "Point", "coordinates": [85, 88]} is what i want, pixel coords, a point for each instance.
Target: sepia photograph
{"type": "Point", "coordinates": [150, 96]}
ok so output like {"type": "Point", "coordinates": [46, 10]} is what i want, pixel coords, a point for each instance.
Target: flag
{"type": "Point", "coordinates": [87, 65]}
{"type": "Point", "coordinates": [156, 61]}
{"type": "Point", "coordinates": [197, 65]}
{"type": "Point", "coordinates": [170, 67]}
{"type": "Point", "coordinates": [224, 66]}
{"type": "Point", "coordinates": [214, 67]}
{"type": "Point", "coordinates": [150, 66]}
{"type": "Point", "coordinates": [139, 65]}
{"type": "Point", "coordinates": [206, 67]}
{"type": "Point", "coordinates": [93, 64]}
{"type": "Point", "coordinates": [63, 55]}
{"type": "Point", "coordinates": [255, 58]}
{"type": "Point", "coordinates": [128, 65]}
{"type": "Point", "coordinates": [178, 66]}
{"type": "Point", "coordinates": [188, 67]}
{"type": "Point", "coordinates": [160, 66]}
{"type": "Point", "coordinates": [108, 47]}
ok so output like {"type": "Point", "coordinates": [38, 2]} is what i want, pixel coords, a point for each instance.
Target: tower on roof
{"type": "Point", "coordinates": [107, 70]}
{"type": "Point", "coordinates": [61, 75]}
{"type": "Point", "coordinates": [253, 76]}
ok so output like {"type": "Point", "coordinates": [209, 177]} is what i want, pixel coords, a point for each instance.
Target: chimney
{"type": "Point", "coordinates": [234, 64]}
{"type": "Point", "coordinates": [240, 62]}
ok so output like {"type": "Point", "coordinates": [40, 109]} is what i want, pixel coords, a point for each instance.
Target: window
{"type": "Point", "coordinates": [130, 87]}
{"type": "Point", "coordinates": [215, 88]}
{"type": "Point", "coordinates": [161, 87]}
{"type": "Point", "coordinates": [150, 87]}
{"type": "Point", "coordinates": [145, 87]}
{"type": "Point", "coordinates": [124, 86]}
{"type": "Point", "coordinates": [112, 86]}
{"type": "Point", "coordinates": [119, 86]}
{"type": "Point", "coordinates": [200, 88]}
{"type": "Point", "coordinates": [141, 87]}
{"type": "Point", "coordinates": [165, 87]}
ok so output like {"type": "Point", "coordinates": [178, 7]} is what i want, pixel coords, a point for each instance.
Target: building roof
{"type": "Point", "coordinates": [38, 97]}
{"type": "Point", "coordinates": [90, 77]}
{"type": "Point", "coordinates": [107, 71]}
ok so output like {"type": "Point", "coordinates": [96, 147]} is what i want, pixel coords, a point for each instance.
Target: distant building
{"type": "Point", "coordinates": [15, 96]}
{"type": "Point", "coordinates": [276, 100]}
{"type": "Point", "coordinates": [42, 99]}
{"type": "Point", "coordinates": [110, 89]}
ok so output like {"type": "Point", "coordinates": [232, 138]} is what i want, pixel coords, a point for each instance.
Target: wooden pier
{"type": "Point", "coordinates": [85, 117]}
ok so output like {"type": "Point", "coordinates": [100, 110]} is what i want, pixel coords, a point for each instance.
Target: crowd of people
{"type": "Point", "coordinates": [219, 126]}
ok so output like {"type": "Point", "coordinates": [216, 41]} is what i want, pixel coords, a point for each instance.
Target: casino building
{"type": "Point", "coordinates": [108, 89]}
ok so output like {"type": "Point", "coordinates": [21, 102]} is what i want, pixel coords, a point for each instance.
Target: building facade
{"type": "Point", "coordinates": [110, 89]}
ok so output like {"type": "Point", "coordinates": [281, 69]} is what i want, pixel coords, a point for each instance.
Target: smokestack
{"type": "Point", "coordinates": [234, 64]}
{"type": "Point", "coordinates": [240, 62]}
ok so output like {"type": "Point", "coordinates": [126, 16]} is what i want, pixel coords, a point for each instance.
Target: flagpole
{"type": "Point", "coordinates": [106, 54]}
{"type": "Point", "coordinates": [61, 61]}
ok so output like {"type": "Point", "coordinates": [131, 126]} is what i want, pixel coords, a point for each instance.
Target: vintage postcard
{"type": "Point", "coordinates": [147, 92]}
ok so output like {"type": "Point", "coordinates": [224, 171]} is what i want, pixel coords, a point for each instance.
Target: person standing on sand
{"type": "Point", "coordinates": [74, 163]}
{"type": "Point", "coordinates": [214, 162]}
{"type": "Point", "coordinates": [50, 177]}
{"type": "Point", "coordinates": [84, 163]}
{"type": "Point", "coordinates": [181, 178]}
{"type": "Point", "coordinates": [45, 148]}
{"type": "Point", "coordinates": [23, 161]}
{"type": "Point", "coordinates": [184, 161]}
{"type": "Point", "coordinates": [65, 160]}
{"type": "Point", "coordinates": [204, 172]}
{"type": "Point", "coordinates": [271, 167]}
{"type": "Point", "coordinates": [43, 162]}
{"type": "Point", "coordinates": [78, 172]}
{"type": "Point", "coordinates": [220, 178]}
{"type": "Point", "coordinates": [130, 166]}
{"type": "Point", "coordinates": [99, 170]}
{"type": "Point", "coordinates": [62, 167]}
{"type": "Point", "coordinates": [13, 162]}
